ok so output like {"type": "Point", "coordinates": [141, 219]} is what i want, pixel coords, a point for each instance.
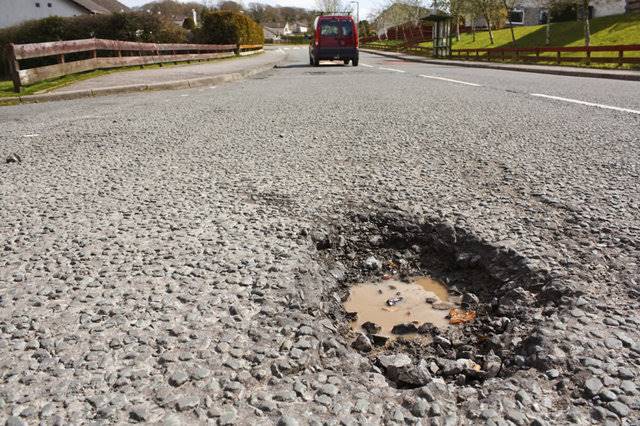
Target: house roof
{"type": "Point", "coordinates": [268, 32]}
{"type": "Point", "coordinates": [112, 5]}
{"type": "Point", "coordinates": [274, 25]}
{"type": "Point", "coordinates": [101, 6]}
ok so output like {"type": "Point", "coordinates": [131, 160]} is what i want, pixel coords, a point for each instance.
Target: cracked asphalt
{"type": "Point", "coordinates": [158, 264]}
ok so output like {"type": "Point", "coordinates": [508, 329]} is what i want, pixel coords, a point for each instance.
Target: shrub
{"type": "Point", "coordinates": [143, 27]}
{"type": "Point", "coordinates": [188, 23]}
{"type": "Point", "coordinates": [228, 28]}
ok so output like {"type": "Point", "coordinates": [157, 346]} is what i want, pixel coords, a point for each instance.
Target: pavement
{"type": "Point", "coordinates": [175, 73]}
{"type": "Point", "coordinates": [165, 78]}
{"type": "Point", "coordinates": [180, 257]}
{"type": "Point", "coordinates": [541, 69]}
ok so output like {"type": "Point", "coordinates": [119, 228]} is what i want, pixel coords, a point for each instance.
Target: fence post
{"type": "Point", "coordinates": [14, 67]}
{"type": "Point", "coordinates": [558, 57]}
{"type": "Point", "coordinates": [620, 57]}
{"type": "Point", "coordinates": [237, 50]}
{"type": "Point", "coordinates": [588, 55]}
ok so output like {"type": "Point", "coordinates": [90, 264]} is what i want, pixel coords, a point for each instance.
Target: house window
{"type": "Point", "coordinates": [49, 5]}
{"type": "Point", "coordinates": [516, 16]}
{"type": "Point", "coordinates": [37, 4]}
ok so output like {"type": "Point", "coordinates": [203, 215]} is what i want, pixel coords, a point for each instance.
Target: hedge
{"type": "Point", "coordinates": [228, 28]}
{"type": "Point", "coordinates": [139, 26]}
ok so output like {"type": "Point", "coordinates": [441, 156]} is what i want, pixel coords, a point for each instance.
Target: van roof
{"type": "Point", "coordinates": [335, 17]}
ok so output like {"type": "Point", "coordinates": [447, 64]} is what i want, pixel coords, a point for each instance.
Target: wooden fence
{"type": "Point", "coordinates": [409, 46]}
{"type": "Point", "coordinates": [403, 32]}
{"type": "Point", "coordinates": [542, 54]}
{"type": "Point", "coordinates": [92, 54]}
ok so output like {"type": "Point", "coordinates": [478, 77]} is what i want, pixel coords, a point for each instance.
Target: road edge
{"type": "Point", "coordinates": [578, 72]}
{"type": "Point", "coordinates": [166, 85]}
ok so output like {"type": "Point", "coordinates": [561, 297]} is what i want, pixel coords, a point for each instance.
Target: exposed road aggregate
{"type": "Point", "coordinates": [179, 257]}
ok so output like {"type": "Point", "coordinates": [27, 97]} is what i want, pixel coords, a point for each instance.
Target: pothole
{"type": "Point", "coordinates": [500, 295]}
{"type": "Point", "coordinates": [392, 307]}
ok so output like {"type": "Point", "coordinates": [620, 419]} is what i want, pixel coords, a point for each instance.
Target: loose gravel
{"type": "Point", "coordinates": [181, 259]}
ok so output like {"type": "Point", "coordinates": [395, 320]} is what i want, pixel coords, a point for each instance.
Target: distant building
{"type": "Point", "coordinates": [179, 19]}
{"type": "Point", "coordinates": [273, 30]}
{"type": "Point", "coordinates": [633, 6]}
{"type": "Point", "coordinates": [17, 11]}
{"type": "Point", "coordinates": [299, 28]}
{"type": "Point", "coordinates": [535, 12]}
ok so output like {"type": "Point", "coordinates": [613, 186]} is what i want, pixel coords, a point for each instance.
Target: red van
{"type": "Point", "coordinates": [335, 38]}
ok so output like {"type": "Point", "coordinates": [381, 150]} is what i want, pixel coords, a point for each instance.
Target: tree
{"type": "Point", "coordinates": [508, 7]}
{"type": "Point", "coordinates": [365, 29]}
{"type": "Point", "coordinates": [585, 19]}
{"type": "Point", "coordinates": [490, 11]}
{"type": "Point", "coordinates": [230, 6]}
{"type": "Point", "coordinates": [171, 8]}
{"type": "Point", "coordinates": [188, 23]}
{"type": "Point", "coordinates": [330, 5]}
{"type": "Point", "coordinates": [456, 9]}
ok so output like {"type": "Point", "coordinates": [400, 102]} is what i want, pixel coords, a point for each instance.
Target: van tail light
{"type": "Point", "coordinates": [357, 36]}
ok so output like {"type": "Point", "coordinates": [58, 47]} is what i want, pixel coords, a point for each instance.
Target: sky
{"type": "Point", "coordinates": [366, 6]}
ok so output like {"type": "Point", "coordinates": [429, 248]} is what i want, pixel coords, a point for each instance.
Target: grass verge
{"type": "Point", "coordinates": [608, 30]}
{"type": "Point", "coordinates": [6, 87]}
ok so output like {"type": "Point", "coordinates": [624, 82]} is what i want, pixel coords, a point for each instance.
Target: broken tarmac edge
{"type": "Point", "coordinates": [549, 69]}
{"type": "Point", "coordinates": [114, 90]}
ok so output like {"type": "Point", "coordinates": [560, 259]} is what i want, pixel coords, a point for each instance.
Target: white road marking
{"type": "Point", "coordinates": [34, 135]}
{"type": "Point", "coordinates": [450, 80]}
{"type": "Point", "coordinates": [286, 48]}
{"type": "Point", "coordinates": [183, 96]}
{"type": "Point", "coordinates": [391, 69]}
{"type": "Point", "coordinates": [575, 101]}
{"type": "Point", "coordinates": [367, 65]}
{"type": "Point", "coordinates": [212, 87]}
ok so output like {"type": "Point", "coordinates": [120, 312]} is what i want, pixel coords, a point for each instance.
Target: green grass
{"type": "Point", "coordinates": [6, 87]}
{"type": "Point", "coordinates": [608, 30]}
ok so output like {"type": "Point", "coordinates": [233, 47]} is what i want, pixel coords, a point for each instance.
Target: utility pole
{"type": "Point", "coordinates": [357, 14]}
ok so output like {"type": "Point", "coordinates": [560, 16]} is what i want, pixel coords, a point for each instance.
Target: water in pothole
{"type": "Point", "coordinates": [403, 305]}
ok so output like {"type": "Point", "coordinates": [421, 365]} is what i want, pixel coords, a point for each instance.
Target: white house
{"type": "Point", "coordinates": [13, 12]}
{"type": "Point", "coordinates": [273, 30]}
{"type": "Point", "coordinates": [534, 12]}
{"type": "Point", "coordinates": [299, 28]}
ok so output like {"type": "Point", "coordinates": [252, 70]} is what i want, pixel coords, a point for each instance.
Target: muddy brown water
{"type": "Point", "coordinates": [422, 301]}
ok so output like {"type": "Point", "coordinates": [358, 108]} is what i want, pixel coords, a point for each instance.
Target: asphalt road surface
{"type": "Point", "coordinates": [169, 257]}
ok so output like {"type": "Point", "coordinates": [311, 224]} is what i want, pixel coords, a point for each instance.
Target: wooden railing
{"type": "Point", "coordinates": [541, 54]}
{"type": "Point", "coordinates": [408, 46]}
{"type": "Point", "coordinates": [92, 54]}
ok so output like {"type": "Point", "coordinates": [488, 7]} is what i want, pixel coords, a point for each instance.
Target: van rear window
{"type": "Point", "coordinates": [347, 28]}
{"type": "Point", "coordinates": [329, 28]}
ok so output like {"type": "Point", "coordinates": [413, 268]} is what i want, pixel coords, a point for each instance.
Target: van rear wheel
{"type": "Point", "coordinates": [354, 62]}
{"type": "Point", "coordinates": [346, 61]}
